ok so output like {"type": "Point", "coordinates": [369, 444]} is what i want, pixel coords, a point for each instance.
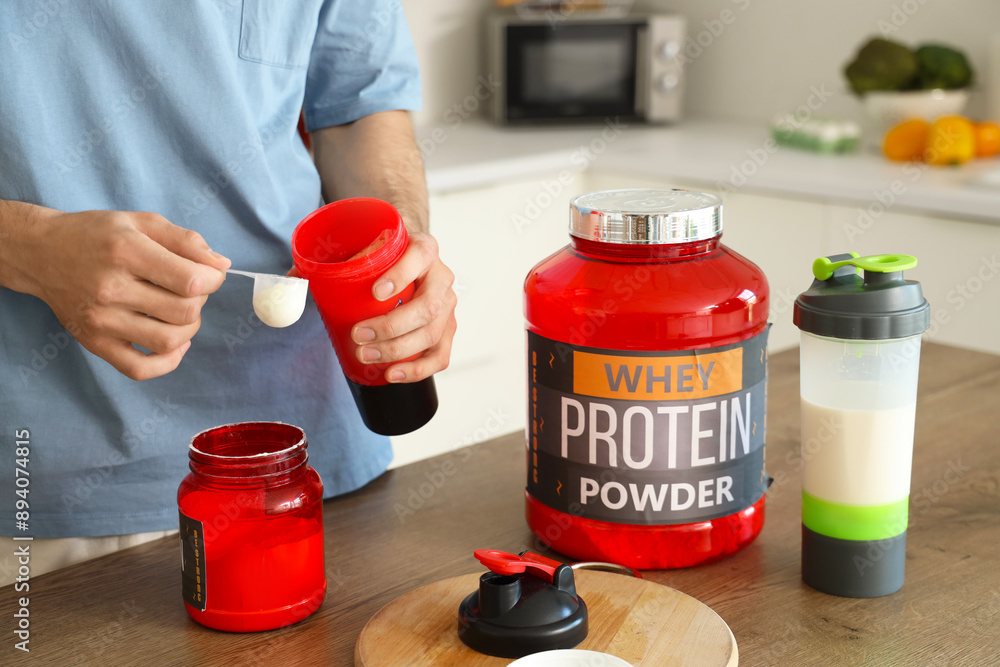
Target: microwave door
{"type": "Point", "coordinates": [571, 71]}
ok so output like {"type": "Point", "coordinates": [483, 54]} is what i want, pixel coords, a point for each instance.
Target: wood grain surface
{"type": "Point", "coordinates": [420, 524]}
{"type": "Point", "coordinates": [645, 623]}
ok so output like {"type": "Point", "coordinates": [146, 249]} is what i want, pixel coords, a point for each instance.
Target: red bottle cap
{"type": "Point", "coordinates": [502, 562]}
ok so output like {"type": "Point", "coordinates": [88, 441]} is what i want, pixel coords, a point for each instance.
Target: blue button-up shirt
{"type": "Point", "coordinates": [187, 109]}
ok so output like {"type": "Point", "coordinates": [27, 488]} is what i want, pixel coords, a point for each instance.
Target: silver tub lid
{"type": "Point", "coordinates": [644, 216]}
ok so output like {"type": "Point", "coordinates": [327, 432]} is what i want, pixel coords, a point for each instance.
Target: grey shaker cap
{"type": "Point", "coordinates": [876, 306]}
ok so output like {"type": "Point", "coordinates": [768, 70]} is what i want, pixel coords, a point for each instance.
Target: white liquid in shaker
{"type": "Point", "coordinates": [857, 457]}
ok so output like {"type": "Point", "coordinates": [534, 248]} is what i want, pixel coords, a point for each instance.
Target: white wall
{"type": "Point", "coordinates": [764, 62]}
{"type": "Point", "coordinates": [447, 37]}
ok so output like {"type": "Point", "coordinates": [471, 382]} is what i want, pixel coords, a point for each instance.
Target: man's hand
{"type": "Point", "coordinates": [377, 156]}
{"type": "Point", "coordinates": [116, 279]}
{"type": "Point", "coordinates": [424, 324]}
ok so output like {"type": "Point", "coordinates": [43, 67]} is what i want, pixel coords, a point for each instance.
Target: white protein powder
{"type": "Point", "coordinates": [281, 305]}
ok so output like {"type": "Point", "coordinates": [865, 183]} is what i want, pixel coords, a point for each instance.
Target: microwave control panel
{"type": "Point", "coordinates": [662, 42]}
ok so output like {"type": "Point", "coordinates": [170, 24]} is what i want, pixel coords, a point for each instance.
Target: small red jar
{"type": "Point", "coordinates": [647, 362]}
{"type": "Point", "coordinates": [251, 523]}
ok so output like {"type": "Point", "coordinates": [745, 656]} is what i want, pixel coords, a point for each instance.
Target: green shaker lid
{"type": "Point", "coordinates": [878, 305]}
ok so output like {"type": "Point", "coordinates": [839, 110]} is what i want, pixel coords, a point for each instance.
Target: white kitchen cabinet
{"type": "Point", "coordinates": [490, 237]}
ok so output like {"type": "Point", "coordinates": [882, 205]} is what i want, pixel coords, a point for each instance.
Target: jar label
{"type": "Point", "coordinates": [643, 437]}
{"type": "Point", "coordinates": [192, 562]}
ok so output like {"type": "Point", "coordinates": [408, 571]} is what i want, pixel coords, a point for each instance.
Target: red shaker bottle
{"type": "Point", "coordinates": [342, 249]}
{"type": "Point", "coordinates": [647, 362]}
{"type": "Point", "coordinates": [251, 525]}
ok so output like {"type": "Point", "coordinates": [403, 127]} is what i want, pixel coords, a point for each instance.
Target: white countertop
{"type": "Point", "coordinates": [476, 154]}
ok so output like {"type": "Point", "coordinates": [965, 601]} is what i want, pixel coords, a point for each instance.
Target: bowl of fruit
{"type": "Point", "coordinates": [895, 82]}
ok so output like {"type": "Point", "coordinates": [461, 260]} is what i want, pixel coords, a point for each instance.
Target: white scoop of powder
{"type": "Point", "coordinates": [280, 304]}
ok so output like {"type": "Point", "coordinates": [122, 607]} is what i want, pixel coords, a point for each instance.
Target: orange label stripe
{"type": "Point", "coordinates": [658, 378]}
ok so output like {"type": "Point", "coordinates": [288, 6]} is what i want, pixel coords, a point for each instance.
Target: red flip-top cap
{"type": "Point", "coordinates": [503, 562]}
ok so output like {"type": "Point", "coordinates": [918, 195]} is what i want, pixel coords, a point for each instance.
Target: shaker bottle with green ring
{"type": "Point", "coordinates": [859, 357]}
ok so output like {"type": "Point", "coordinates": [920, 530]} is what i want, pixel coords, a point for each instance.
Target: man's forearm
{"type": "Point", "coordinates": [375, 156]}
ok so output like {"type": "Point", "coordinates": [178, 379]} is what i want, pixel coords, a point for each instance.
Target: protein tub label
{"type": "Point", "coordinates": [647, 437]}
{"type": "Point", "coordinates": [192, 562]}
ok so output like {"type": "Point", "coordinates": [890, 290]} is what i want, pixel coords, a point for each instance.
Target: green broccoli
{"type": "Point", "coordinates": [942, 67]}
{"type": "Point", "coordinates": [881, 64]}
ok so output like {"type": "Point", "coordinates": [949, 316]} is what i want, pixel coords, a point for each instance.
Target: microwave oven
{"type": "Point", "coordinates": [584, 68]}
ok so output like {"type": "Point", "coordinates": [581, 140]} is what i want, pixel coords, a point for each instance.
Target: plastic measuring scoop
{"type": "Point", "coordinates": [277, 300]}
{"type": "Point", "coordinates": [823, 268]}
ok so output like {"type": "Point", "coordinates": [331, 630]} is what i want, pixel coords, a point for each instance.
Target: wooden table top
{"type": "Point", "coordinates": [125, 608]}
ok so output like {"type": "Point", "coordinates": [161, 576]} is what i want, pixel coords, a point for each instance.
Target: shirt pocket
{"type": "Point", "coordinates": [279, 32]}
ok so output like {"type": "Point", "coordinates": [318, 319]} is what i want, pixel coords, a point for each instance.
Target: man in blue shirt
{"type": "Point", "coordinates": [144, 147]}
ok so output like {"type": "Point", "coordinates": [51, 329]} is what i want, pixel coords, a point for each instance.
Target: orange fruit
{"type": "Point", "coordinates": [987, 137]}
{"type": "Point", "coordinates": [906, 141]}
{"type": "Point", "coordinates": [950, 142]}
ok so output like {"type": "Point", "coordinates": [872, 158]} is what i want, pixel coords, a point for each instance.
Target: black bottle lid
{"type": "Point", "coordinates": [525, 604]}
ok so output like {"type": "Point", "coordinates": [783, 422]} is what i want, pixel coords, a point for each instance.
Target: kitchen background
{"type": "Point", "coordinates": [499, 196]}
{"type": "Point", "coordinates": [763, 63]}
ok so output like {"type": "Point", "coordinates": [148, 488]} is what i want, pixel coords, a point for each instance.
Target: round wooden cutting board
{"type": "Point", "coordinates": [637, 620]}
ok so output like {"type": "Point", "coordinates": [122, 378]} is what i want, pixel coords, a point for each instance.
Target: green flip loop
{"type": "Point", "coordinates": [823, 268]}
{"type": "Point", "coordinates": [854, 522]}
